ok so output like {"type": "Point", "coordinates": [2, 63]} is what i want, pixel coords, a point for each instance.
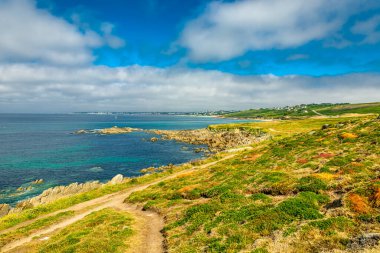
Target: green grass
{"type": "Point", "coordinates": [105, 231]}
{"type": "Point", "coordinates": [351, 108]}
{"type": "Point", "coordinates": [301, 111]}
{"type": "Point", "coordinates": [28, 229]}
{"type": "Point", "coordinates": [227, 207]}
{"type": "Point", "coordinates": [29, 214]}
{"type": "Point", "coordinates": [284, 128]}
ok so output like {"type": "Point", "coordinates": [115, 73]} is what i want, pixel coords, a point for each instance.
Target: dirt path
{"type": "Point", "coordinates": [149, 238]}
{"type": "Point", "coordinates": [149, 225]}
{"type": "Point", "coordinates": [318, 113]}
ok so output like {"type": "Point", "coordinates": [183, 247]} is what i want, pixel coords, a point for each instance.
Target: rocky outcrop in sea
{"type": "Point", "coordinates": [111, 130]}
{"type": "Point", "coordinates": [215, 140]}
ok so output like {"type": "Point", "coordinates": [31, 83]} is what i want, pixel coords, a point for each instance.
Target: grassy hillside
{"type": "Point", "coordinates": [309, 192]}
{"type": "Point", "coordinates": [313, 187]}
{"type": "Point", "coordinates": [308, 110]}
{"type": "Point", "coordinates": [106, 230]}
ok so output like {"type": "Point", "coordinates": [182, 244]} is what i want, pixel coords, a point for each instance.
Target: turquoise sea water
{"type": "Point", "coordinates": [34, 146]}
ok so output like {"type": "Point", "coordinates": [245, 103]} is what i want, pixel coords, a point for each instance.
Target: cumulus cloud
{"type": "Point", "coordinates": [229, 29]}
{"type": "Point", "coordinates": [29, 34]}
{"type": "Point", "coordinates": [25, 88]}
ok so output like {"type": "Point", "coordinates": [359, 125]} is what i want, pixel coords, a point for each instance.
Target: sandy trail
{"type": "Point", "coordinates": [149, 224]}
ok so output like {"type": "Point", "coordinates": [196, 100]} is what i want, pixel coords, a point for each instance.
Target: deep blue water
{"type": "Point", "coordinates": [34, 146]}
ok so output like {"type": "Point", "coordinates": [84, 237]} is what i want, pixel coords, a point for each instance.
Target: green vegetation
{"type": "Point", "coordinates": [28, 229]}
{"type": "Point", "coordinates": [307, 111]}
{"type": "Point", "coordinates": [106, 230]}
{"type": "Point", "coordinates": [284, 128]}
{"type": "Point", "coordinates": [315, 188]}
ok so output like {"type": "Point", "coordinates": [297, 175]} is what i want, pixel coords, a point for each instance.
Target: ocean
{"type": "Point", "coordinates": [43, 146]}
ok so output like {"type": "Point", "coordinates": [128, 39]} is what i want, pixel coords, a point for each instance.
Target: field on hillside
{"type": "Point", "coordinates": [308, 111]}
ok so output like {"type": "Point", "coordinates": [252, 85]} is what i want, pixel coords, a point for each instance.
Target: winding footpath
{"type": "Point", "coordinates": [148, 225]}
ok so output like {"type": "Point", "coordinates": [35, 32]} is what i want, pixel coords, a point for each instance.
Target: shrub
{"type": "Point", "coordinates": [359, 204]}
{"type": "Point", "coordinates": [311, 184]}
{"type": "Point", "coordinates": [304, 206]}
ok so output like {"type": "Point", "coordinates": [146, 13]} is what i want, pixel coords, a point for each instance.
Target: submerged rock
{"type": "Point", "coordinates": [38, 181]}
{"type": "Point", "coordinates": [24, 189]}
{"type": "Point", "coordinates": [81, 132]}
{"type": "Point", "coordinates": [153, 139]}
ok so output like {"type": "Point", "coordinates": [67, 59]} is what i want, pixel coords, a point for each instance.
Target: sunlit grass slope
{"type": "Point", "coordinates": [106, 230]}
{"type": "Point", "coordinates": [313, 191]}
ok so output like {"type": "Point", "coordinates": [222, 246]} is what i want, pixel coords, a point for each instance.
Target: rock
{"type": "Point", "coordinates": [38, 181]}
{"type": "Point", "coordinates": [118, 179]}
{"type": "Point", "coordinates": [117, 130]}
{"type": "Point", "coordinates": [55, 193]}
{"type": "Point", "coordinates": [365, 240]}
{"type": "Point", "coordinates": [4, 209]}
{"type": "Point", "coordinates": [148, 170]}
{"type": "Point", "coordinates": [325, 126]}
{"type": "Point", "coordinates": [216, 140]}
{"type": "Point", "coordinates": [335, 204]}
{"type": "Point", "coordinates": [81, 132]}
{"type": "Point", "coordinates": [153, 139]}
{"type": "Point", "coordinates": [24, 189]}
{"type": "Point", "coordinates": [198, 150]}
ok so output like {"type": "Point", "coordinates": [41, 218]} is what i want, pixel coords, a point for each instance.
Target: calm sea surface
{"type": "Point", "coordinates": [34, 146]}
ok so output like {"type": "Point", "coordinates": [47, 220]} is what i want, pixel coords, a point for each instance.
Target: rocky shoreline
{"type": "Point", "coordinates": [57, 192]}
{"type": "Point", "coordinates": [215, 140]}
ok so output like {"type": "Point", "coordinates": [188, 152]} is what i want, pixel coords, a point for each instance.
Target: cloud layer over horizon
{"type": "Point", "coordinates": [136, 88]}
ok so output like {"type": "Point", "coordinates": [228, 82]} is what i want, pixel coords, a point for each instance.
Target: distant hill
{"type": "Point", "coordinates": [307, 110]}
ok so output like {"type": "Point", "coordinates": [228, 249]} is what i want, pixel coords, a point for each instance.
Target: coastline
{"type": "Point", "coordinates": [215, 141]}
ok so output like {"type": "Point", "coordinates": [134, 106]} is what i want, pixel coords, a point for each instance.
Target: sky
{"type": "Point", "coordinates": [193, 55]}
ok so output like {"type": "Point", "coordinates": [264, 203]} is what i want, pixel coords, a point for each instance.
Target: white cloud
{"type": "Point", "coordinates": [229, 29]}
{"type": "Point", "coordinates": [28, 88]}
{"type": "Point", "coordinates": [110, 39]}
{"type": "Point", "coordinates": [369, 28]}
{"type": "Point", "coordinates": [296, 57]}
{"type": "Point", "coordinates": [29, 34]}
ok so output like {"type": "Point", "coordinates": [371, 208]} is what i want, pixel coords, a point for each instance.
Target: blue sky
{"type": "Point", "coordinates": [186, 55]}
{"type": "Point", "coordinates": [150, 27]}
